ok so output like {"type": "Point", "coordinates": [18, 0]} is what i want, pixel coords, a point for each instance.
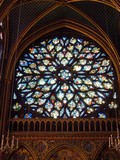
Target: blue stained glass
{"type": "Point", "coordinates": [102, 115]}
{"type": "Point", "coordinates": [28, 115]}
{"type": "Point", "coordinates": [63, 77]}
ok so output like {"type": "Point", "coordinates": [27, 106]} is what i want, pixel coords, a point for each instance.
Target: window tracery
{"type": "Point", "coordinates": [63, 77]}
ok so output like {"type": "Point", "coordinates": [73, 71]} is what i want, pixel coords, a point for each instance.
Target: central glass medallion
{"type": "Point", "coordinates": [64, 74]}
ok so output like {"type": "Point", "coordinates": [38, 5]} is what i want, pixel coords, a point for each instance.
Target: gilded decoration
{"type": "Point", "coordinates": [65, 154]}
{"type": "Point", "coordinates": [56, 149]}
{"type": "Point", "coordinates": [21, 154]}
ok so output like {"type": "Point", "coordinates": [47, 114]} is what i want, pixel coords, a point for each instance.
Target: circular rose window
{"type": "Point", "coordinates": [62, 77]}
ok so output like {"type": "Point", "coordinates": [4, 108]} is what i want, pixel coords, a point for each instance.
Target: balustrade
{"type": "Point", "coordinates": [63, 125]}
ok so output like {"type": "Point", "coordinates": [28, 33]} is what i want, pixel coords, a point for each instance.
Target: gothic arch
{"type": "Point", "coordinates": [103, 41]}
{"type": "Point", "coordinates": [79, 28]}
{"type": "Point", "coordinates": [99, 150]}
{"type": "Point", "coordinates": [23, 152]}
{"type": "Point", "coordinates": [104, 152]}
{"type": "Point", "coordinates": [65, 151]}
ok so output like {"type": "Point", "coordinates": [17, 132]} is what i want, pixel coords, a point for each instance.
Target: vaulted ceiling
{"type": "Point", "coordinates": [26, 16]}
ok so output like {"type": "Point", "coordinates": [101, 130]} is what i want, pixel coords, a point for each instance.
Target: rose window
{"type": "Point", "coordinates": [63, 77]}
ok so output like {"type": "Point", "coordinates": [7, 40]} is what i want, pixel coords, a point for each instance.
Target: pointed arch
{"type": "Point", "coordinates": [24, 152]}
{"type": "Point", "coordinates": [105, 153]}
{"type": "Point", "coordinates": [103, 41]}
{"type": "Point", "coordinates": [65, 151]}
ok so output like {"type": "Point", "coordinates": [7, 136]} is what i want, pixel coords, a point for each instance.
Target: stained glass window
{"type": "Point", "coordinates": [63, 77]}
